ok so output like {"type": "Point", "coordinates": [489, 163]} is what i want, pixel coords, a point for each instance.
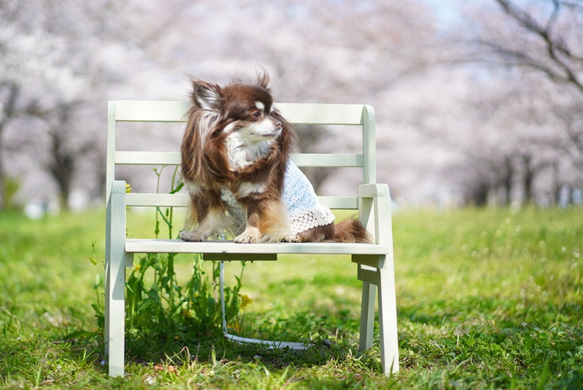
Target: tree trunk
{"type": "Point", "coordinates": [61, 168]}
{"type": "Point", "coordinates": [507, 180]}
{"type": "Point", "coordinates": [9, 111]}
{"type": "Point", "coordinates": [527, 178]}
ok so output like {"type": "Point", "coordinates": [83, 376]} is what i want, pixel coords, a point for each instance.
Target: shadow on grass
{"type": "Point", "coordinates": [336, 343]}
{"type": "Point", "coordinates": [212, 347]}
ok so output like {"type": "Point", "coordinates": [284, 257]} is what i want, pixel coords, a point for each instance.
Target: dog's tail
{"type": "Point", "coordinates": [350, 230]}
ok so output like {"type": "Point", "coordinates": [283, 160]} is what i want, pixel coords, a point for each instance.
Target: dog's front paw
{"type": "Point", "coordinates": [194, 235]}
{"type": "Point", "coordinates": [247, 237]}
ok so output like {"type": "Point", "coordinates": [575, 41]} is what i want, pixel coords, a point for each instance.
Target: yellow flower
{"type": "Point", "coordinates": [128, 190]}
{"type": "Point", "coordinates": [236, 327]}
{"type": "Point", "coordinates": [245, 301]}
{"type": "Point", "coordinates": [137, 266]}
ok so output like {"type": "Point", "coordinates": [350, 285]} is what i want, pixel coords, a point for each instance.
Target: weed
{"type": "Point", "coordinates": [161, 313]}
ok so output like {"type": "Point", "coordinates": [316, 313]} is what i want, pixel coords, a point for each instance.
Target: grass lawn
{"type": "Point", "coordinates": [486, 299]}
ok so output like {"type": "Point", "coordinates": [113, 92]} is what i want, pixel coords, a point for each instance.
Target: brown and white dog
{"type": "Point", "coordinates": [236, 166]}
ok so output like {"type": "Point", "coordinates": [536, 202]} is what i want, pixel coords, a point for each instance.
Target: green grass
{"type": "Point", "coordinates": [486, 299]}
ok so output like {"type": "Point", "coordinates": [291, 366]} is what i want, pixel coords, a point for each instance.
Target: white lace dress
{"type": "Point", "coordinates": [302, 203]}
{"type": "Point", "coordinates": [300, 200]}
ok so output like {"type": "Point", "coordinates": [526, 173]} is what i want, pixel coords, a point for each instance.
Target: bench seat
{"type": "Point", "coordinates": [229, 247]}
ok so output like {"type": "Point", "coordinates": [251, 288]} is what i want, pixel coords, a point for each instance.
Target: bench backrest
{"type": "Point", "coordinates": [295, 113]}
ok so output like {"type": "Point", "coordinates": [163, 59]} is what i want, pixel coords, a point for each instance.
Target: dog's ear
{"type": "Point", "coordinates": [206, 95]}
{"type": "Point", "coordinates": [262, 79]}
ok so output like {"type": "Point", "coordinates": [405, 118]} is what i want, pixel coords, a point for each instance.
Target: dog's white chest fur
{"type": "Point", "coordinates": [243, 153]}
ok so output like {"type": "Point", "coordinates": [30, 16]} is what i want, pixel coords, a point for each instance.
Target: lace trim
{"type": "Point", "coordinates": [320, 216]}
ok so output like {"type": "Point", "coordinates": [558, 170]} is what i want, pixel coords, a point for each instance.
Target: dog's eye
{"type": "Point", "coordinates": [256, 114]}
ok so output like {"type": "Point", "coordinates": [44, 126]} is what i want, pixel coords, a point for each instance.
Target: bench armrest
{"type": "Point", "coordinates": [115, 229]}
{"type": "Point", "coordinates": [374, 209]}
{"type": "Point", "coordinates": [373, 190]}
{"type": "Point", "coordinates": [116, 202]}
{"type": "Point", "coordinates": [118, 187]}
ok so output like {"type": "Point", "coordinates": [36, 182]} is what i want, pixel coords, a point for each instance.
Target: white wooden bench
{"type": "Point", "coordinates": [374, 261]}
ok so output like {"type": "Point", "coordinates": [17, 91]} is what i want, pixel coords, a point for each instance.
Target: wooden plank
{"type": "Point", "coordinates": [369, 145]}
{"type": "Point", "coordinates": [300, 159]}
{"type": "Point", "coordinates": [181, 200]}
{"type": "Point", "coordinates": [156, 200]}
{"type": "Point", "coordinates": [218, 247]}
{"type": "Point", "coordinates": [298, 113]}
{"type": "Point", "coordinates": [328, 160]}
{"type": "Point", "coordinates": [239, 257]}
{"type": "Point", "coordinates": [151, 110]}
{"type": "Point", "coordinates": [147, 158]}
{"type": "Point", "coordinates": [321, 114]}
{"type": "Point", "coordinates": [339, 202]}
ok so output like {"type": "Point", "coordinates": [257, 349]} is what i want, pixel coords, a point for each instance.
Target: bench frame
{"type": "Point", "coordinates": [373, 203]}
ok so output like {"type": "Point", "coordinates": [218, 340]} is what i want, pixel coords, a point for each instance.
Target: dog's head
{"type": "Point", "coordinates": [235, 129]}
{"type": "Point", "coordinates": [243, 108]}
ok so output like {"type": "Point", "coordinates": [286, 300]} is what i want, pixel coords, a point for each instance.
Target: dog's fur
{"type": "Point", "coordinates": [237, 142]}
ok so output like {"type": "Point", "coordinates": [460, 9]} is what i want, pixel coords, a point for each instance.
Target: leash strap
{"type": "Point", "coordinates": [246, 340]}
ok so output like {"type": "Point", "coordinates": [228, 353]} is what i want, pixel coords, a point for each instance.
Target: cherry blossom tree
{"type": "Point", "coordinates": [55, 72]}
{"type": "Point", "coordinates": [529, 104]}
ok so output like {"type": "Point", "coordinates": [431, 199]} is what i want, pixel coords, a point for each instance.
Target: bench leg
{"type": "Point", "coordinates": [367, 315]}
{"type": "Point", "coordinates": [115, 314]}
{"type": "Point", "coordinates": [378, 279]}
{"type": "Point", "coordinates": [388, 321]}
{"type": "Point", "coordinates": [115, 275]}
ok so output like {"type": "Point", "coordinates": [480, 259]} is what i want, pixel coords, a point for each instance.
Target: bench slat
{"type": "Point", "coordinates": [322, 114]}
{"type": "Point", "coordinates": [321, 160]}
{"type": "Point", "coordinates": [301, 160]}
{"type": "Point", "coordinates": [234, 250]}
{"type": "Point", "coordinates": [181, 200]}
{"type": "Point", "coordinates": [147, 158]}
{"type": "Point", "coordinates": [339, 202]}
{"type": "Point", "coordinates": [156, 200]}
{"type": "Point", "coordinates": [298, 113]}
{"type": "Point", "coordinates": [151, 110]}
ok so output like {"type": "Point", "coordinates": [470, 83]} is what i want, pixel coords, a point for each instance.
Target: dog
{"type": "Point", "coordinates": [236, 167]}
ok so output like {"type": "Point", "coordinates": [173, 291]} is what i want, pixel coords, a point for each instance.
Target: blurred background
{"type": "Point", "coordinates": [478, 102]}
